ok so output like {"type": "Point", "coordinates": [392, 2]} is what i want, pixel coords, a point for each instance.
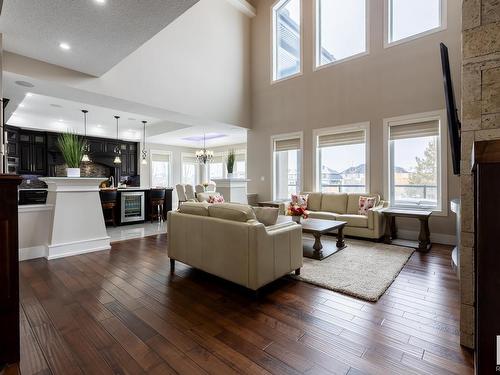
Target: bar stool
{"type": "Point", "coordinates": [109, 199]}
{"type": "Point", "coordinates": [157, 199]}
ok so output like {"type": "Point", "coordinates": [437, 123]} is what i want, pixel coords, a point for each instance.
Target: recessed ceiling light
{"type": "Point", "coordinates": [24, 84]}
{"type": "Point", "coordinates": [99, 125]}
{"type": "Point", "coordinates": [100, 1]}
{"type": "Point", "coordinates": [21, 105]}
{"type": "Point", "coordinates": [29, 94]}
{"type": "Point", "coordinates": [64, 46]}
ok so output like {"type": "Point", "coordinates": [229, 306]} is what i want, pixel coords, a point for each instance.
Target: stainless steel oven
{"type": "Point", "coordinates": [132, 206]}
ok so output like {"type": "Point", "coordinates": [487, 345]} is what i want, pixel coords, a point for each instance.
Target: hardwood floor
{"type": "Point", "coordinates": [122, 312]}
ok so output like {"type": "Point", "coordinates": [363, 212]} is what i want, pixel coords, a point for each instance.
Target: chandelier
{"type": "Point", "coordinates": [204, 156]}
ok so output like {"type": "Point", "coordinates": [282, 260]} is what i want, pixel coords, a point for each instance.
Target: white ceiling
{"type": "Point", "coordinates": [42, 112]}
{"type": "Point", "coordinates": [100, 35]}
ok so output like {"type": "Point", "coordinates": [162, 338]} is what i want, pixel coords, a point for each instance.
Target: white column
{"type": "Point", "coordinates": [77, 223]}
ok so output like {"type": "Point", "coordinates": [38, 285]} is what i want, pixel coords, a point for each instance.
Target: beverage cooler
{"type": "Point", "coordinates": [132, 206]}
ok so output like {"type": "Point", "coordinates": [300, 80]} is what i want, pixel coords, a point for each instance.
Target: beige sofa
{"type": "Point", "coordinates": [344, 207]}
{"type": "Point", "coordinates": [226, 240]}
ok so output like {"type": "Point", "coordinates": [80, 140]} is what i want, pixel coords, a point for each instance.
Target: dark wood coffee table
{"type": "Point", "coordinates": [318, 227]}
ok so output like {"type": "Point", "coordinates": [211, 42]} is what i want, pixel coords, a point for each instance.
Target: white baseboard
{"type": "Point", "coordinates": [34, 252]}
{"type": "Point", "coordinates": [445, 239]}
{"type": "Point", "coordinates": [76, 248]}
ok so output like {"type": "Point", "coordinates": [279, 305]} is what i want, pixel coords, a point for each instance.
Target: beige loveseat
{"type": "Point", "coordinates": [344, 207]}
{"type": "Point", "coordinates": [226, 240]}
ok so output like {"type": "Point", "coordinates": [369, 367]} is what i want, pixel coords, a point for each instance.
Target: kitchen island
{"type": "Point", "coordinates": [133, 204]}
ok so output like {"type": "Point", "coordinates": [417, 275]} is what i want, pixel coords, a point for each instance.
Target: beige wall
{"type": "Point", "coordinates": [480, 121]}
{"type": "Point", "coordinates": [389, 82]}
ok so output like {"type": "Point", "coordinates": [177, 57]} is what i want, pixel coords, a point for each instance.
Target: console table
{"type": "Point", "coordinates": [424, 241]}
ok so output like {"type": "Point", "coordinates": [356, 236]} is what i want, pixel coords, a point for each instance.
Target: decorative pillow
{"type": "Point", "coordinates": [365, 203]}
{"type": "Point", "coordinates": [299, 200]}
{"type": "Point", "coordinates": [216, 199]}
{"type": "Point", "coordinates": [266, 215]}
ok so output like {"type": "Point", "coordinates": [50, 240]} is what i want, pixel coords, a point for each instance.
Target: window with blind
{"type": "Point", "coordinates": [415, 164]}
{"type": "Point", "coordinates": [286, 39]}
{"type": "Point", "coordinates": [340, 30]}
{"type": "Point", "coordinates": [189, 169]}
{"type": "Point", "coordinates": [408, 20]}
{"type": "Point", "coordinates": [287, 161]}
{"type": "Point", "coordinates": [160, 169]}
{"type": "Point", "coordinates": [216, 167]}
{"type": "Point", "coordinates": [341, 160]}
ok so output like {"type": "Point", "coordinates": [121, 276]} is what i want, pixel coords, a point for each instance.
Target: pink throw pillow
{"type": "Point", "coordinates": [365, 203]}
{"type": "Point", "coordinates": [216, 199]}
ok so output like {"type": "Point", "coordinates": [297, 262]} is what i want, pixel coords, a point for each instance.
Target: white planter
{"type": "Point", "coordinates": [73, 172]}
{"type": "Point", "coordinates": [229, 175]}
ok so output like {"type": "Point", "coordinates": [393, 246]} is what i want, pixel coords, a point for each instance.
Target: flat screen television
{"type": "Point", "coordinates": [451, 109]}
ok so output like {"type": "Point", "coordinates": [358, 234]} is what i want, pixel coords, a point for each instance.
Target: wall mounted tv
{"type": "Point", "coordinates": [451, 109]}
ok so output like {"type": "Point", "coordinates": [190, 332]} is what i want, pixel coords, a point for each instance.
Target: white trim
{"type": "Point", "coordinates": [280, 137]}
{"type": "Point", "coordinates": [77, 247]}
{"type": "Point", "coordinates": [366, 52]}
{"type": "Point", "coordinates": [440, 238]}
{"type": "Point", "coordinates": [440, 116]}
{"type": "Point", "coordinates": [272, 35]}
{"type": "Point", "coordinates": [34, 252]}
{"type": "Point", "coordinates": [443, 26]}
{"type": "Point", "coordinates": [170, 164]}
{"type": "Point", "coordinates": [365, 126]}
{"type": "Point", "coordinates": [244, 6]}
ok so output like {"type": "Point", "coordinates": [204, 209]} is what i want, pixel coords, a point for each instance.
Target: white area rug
{"type": "Point", "coordinates": [363, 269]}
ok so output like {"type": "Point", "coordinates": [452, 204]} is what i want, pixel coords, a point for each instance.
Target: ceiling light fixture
{"type": "Point", "coordinates": [64, 46]}
{"type": "Point", "coordinates": [102, 2]}
{"type": "Point", "coordinates": [144, 152]}
{"type": "Point", "coordinates": [29, 94]}
{"type": "Point", "coordinates": [86, 146]}
{"type": "Point", "coordinates": [21, 105]}
{"type": "Point", "coordinates": [117, 149]}
{"type": "Point", "coordinates": [204, 156]}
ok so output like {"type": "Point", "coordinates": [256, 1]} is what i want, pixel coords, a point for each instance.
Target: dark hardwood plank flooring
{"type": "Point", "coordinates": [122, 312]}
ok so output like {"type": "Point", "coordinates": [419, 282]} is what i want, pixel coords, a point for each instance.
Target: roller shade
{"type": "Point", "coordinates": [287, 144]}
{"type": "Point", "coordinates": [160, 157]}
{"type": "Point", "coordinates": [189, 159]}
{"type": "Point", "coordinates": [415, 130]}
{"type": "Point", "coordinates": [341, 139]}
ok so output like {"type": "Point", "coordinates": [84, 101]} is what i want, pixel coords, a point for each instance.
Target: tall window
{"type": "Point", "coordinates": [160, 169]}
{"type": "Point", "coordinates": [216, 167]}
{"type": "Point", "coordinates": [415, 163]}
{"type": "Point", "coordinates": [340, 30]}
{"type": "Point", "coordinates": [240, 165]}
{"type": "Point", "coordinates": [408, 19]}
{"type": "Point", "coordinates": [341, 164]}
{"type": "Point", "coordinates": [287, 165]}
{"type": "Point", "coordinates": [189, 169]}
{"type": "Point", "coordinates": [286, 39]}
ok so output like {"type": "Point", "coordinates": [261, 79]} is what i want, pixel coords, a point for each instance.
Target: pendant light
{"type": "Point", "coordinates": [204, 156]}
{"type": "Point", "coordinates": [144, 152]}
{"type": "Point", "coordinates": [117, 150]}
{"type": "Point", "coordinates": [86, 146]}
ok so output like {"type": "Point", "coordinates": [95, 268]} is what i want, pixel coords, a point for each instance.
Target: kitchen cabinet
{"type": "Point", "coordinates": [12, 137]}
{"type": "Point", "coordinates": [129, 159]}
{"type": "Point", "coordinates": [96, 145]}
{"type": "Point", "coordinates": [32, 153]}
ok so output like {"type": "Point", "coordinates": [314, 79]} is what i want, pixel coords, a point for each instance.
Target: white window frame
{"type": "Point", "coordinates": [197, 167]}
{"type": "Point", "coordinates": [282, 137]}
{"type": "Point", "coordinates": [387, 20]}
{"type": "Point", "coordinates": [440, 115]}
{"type": "Point", "coordinates": [365, 126]}
{"type": "Point", "coordinates": [316, 32]}
{"type": "Point", "coordinates": [170, 164]}
{"type": "Point", "coordinates": [280, 3]}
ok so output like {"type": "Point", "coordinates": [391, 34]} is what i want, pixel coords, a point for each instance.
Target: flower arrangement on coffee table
{"type": "Point", "coordinates": [297, 208]}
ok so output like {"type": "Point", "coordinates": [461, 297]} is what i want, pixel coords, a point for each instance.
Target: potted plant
{"type": "Point", "coordinates": [71, 146]}
{"type": "Point", "coordinates": [231, 158]}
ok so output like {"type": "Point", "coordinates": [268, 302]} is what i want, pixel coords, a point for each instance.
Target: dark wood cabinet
{"type": "Point", "coordinates": [486, 174]}
{"type": "Point", "coordinates": [96, 145]}
{"type": "Point", "coordinates": [129, 159]}
{"type": "Point", "coordinates": [9, 270]}
{"type": "Point", "coordinates": [12, 137]}
{"type": "Point", "coordinates": [32, 153]}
